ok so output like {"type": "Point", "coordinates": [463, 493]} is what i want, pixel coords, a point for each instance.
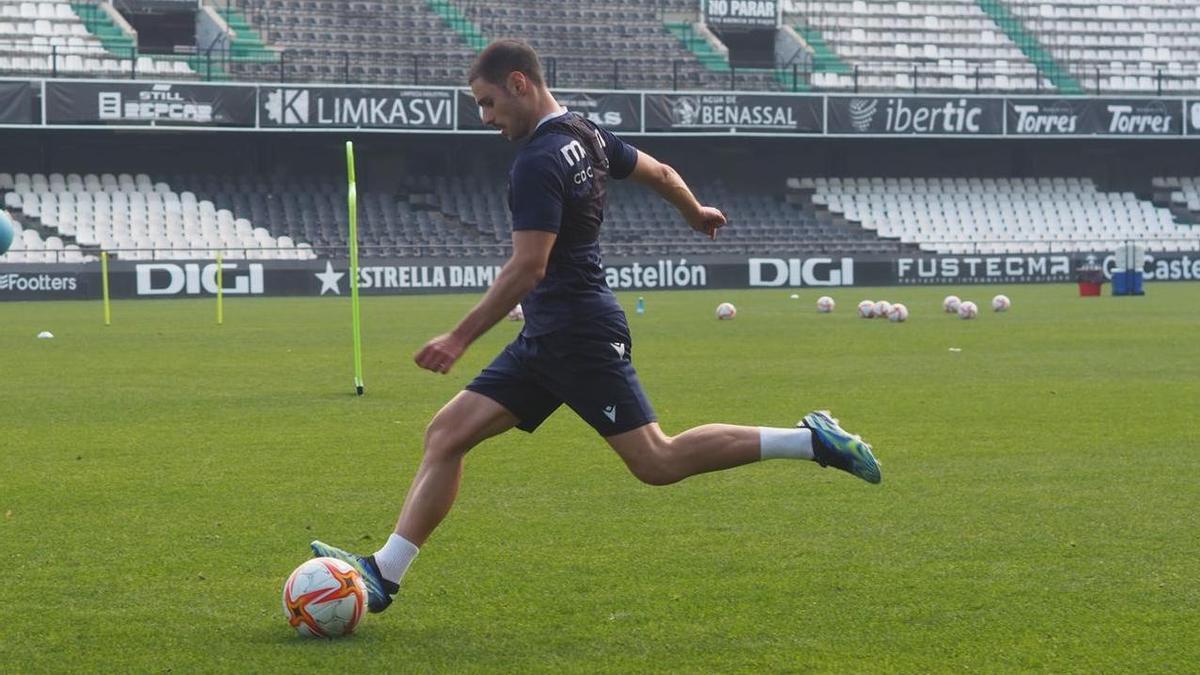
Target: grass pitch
{"type": "Point", "coordinates": [160, 478]}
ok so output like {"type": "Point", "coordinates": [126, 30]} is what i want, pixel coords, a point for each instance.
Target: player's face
{"type": "Point", "coordinates": [506, 107]}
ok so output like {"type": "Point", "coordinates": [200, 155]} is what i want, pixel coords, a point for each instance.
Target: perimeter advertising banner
{"type": "Point", "coordinates": [1043, 117]}
{"type": "Point", "coordinates": [1139, 117]}
{"type": "Point", "coordinates": [1051, 117]}
{"type": "Point", "coordinates": [771, 113]}
{"type": "Point", "coordinates": [356, 108]}
{"type": "Point", "coordinates": [16, 103]}
{"type": "Point", "coordinates": [1193, 110]}
{"type": "Point", "coordinates": [615, 111]}
{"type": "Point", "coordinates": [911, 115]}
{"type": "Point", "coordinates": [150, 104]}
{"type": "Point", "coordinates": [182, 279]}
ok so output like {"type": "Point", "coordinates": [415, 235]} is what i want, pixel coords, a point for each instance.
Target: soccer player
{"type": "Point", "coordinates": [575, 346]}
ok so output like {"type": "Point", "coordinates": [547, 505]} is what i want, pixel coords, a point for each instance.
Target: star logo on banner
{"type": "Point", "coordinates": [329, 279]}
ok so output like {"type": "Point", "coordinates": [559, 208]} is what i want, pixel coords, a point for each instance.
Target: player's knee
{"type": "Point", "coordinates": [654, 467]}
{"type": "Point", "coordinates": [443, 441]}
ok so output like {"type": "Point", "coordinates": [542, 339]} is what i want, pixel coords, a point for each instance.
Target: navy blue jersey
{"type": "Point", "coordinates": [557, 184]}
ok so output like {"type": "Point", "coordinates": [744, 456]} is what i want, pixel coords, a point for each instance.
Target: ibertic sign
{"type": "Point", "coordinates": [927, 115]}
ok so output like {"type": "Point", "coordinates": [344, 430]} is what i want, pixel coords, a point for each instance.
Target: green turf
{"type": "Point", "coordinates": [161, 477]}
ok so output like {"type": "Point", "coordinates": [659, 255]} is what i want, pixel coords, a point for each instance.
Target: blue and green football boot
{"type": "Point", "coordinates": [379, 590]}
{"type": "Point", "coordinates": [833, 446]}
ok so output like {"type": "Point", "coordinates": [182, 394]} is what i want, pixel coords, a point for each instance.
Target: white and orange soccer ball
{"type": "Point", "coordinates": [967, 310]}
{"type": "Point", "coordinates": [882, 308]}
{"type": "Point", "coordinates": [866, 309]}
{"type": "Point", "coordinates": [726, 311]}
{"type": "Point", "coordinates": [516, 313]}
{"type": "Point", "coordinates": [898, 313]}
{"type": "Point", "coordinates": [1001, 303]}
{"type": "Point", "coordinates": [825, 304]}
{"type": "Point", "coordinates": [950, 304]}
{"type": "Point", "coordinates": [325, 598]}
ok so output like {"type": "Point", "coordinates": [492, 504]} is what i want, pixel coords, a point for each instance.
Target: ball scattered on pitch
{"type": "Point", "coordinates": [45, 335]}
{"type": "Point", "coordinates": [324, 598]}
{"type": "Point", "coordinates": [516, 313]}
{"type": "Point", "coordinates": [967, 310]}
{"type": "Point", "coordinates": [898, 313]}
{"type": "Point", "coordinates": [950, 304]}
{"type": "Point", "coordinates": [1001, 303]}
{"type": "Point", "coordinates": [726, 311]}
{"type": "Point", "coordinates": [825, 304]}
{"type": "Point", "coordinates": [866, 309]}
{"type": "Point", "coordinates": [7, 232]}
{"type": "Point", "coordinates": [882, 308]}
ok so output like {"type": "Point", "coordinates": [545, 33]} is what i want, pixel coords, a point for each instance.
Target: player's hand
{"type": "Point", "coordinates": [440, 353]}
{"type": "Point", "coordinates": [707, 221]}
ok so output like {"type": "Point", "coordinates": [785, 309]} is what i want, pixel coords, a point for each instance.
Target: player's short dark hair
{"type": "Point", "coordinates": [503, 57]}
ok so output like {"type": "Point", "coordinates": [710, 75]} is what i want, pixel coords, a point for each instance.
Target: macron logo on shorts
{"type": "Point", "coordinates": [620, 347]}
{"type": "Point", "coordinates": [610, 411]}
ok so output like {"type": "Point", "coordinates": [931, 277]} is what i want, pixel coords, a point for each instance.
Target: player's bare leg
{"type": "Point", "coordinates": [466, 421]}
{"type": "Point", "coordinates": [658, 459]}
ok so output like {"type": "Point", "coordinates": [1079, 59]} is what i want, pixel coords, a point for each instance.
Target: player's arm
{"type": "Point", "coordinates": [669, 185]}
{"type": "Point", "coordinates": [523, 271]}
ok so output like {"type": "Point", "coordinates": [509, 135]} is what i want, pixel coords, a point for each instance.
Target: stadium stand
{"type": "Point", "coordinates": [49, 38]}
{"type": "Point", "coordinates": [71, 218]}
{"type": "Point", "coordinates": [392, 41]}
{"type": "Point", "coordinates": [433, 42]}
{"type": "Point", "coordinates": [464, 215]}
{"type": "Point", "coordinates": [998, 215]}
{"type": "Point", "coordinates": [1142, 46]}
{"type": "Point", "coordinates": [133, 216]}
{"type": "Point", "coordinates": [577, 41]}
{"type": "Point", "coordinates": [1180, 194]}
{"type": "Point", "coordinates": [1135, 46]}
{"type": "Point", "coordinates": [942, 45]}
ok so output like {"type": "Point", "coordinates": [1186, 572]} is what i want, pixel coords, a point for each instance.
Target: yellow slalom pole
{"type": "Point", "coordinates": [220, 292]}
{"type": "Point", "coordinates": [104, 283]}
{"type": "Point", "coordinates": [352, 202]}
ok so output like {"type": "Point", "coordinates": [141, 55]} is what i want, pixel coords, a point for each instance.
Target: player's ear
{"type": "Point", "coordinates": [517, 83]}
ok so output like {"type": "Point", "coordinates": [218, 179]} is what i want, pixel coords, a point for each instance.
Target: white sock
{"type": "Point", "coordinates": [395, 557]}
{"type": "Point", "coordinates": [785, 443]}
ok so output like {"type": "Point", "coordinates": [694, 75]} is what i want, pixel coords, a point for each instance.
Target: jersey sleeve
{"type": "Point", "coordinates": [537, 193]}
{"type": "Point", "coordinates": [622, 157]}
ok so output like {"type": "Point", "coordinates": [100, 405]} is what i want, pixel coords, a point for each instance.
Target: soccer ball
{"type": "Point", "coordinates": [825, 304]}
{"type": "Point", "coordinates": [967, 310]}
{"type": "Point", "coordinates": [950, 304]}
{"type": "Point", "coordinates": [516, 313]}
{"type": "Point", "coordinates": [726, 311]}
{"type": "Point", "coordinates": [1001, 303]}
{"type": "Point", "coordinates": [882, 308]}
{"type": "Point", "coordinates": [897, 313]}
{"type": "Point", "coordinates": [324, 597]}
{"type": "Point", "coordinates": [866, 309]}
{"type": "Point", "coordinates": [7, 232]}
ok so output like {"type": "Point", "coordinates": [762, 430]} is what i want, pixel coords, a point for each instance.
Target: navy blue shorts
{"type": "Point", "coordinates": [590, 369]}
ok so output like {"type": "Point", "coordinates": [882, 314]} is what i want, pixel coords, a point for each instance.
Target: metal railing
{"type": "Point", "coordinates": [446, 69]}
{"type": "Point", "coordinates": [972, 247]}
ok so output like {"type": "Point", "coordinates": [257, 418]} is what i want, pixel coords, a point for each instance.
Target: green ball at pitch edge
{"type": "Point", "coordinates": [6, 232]}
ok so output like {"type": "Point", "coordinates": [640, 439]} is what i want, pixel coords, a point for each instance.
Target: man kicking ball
{"type": "Point", "coordinates": [575, 346]}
